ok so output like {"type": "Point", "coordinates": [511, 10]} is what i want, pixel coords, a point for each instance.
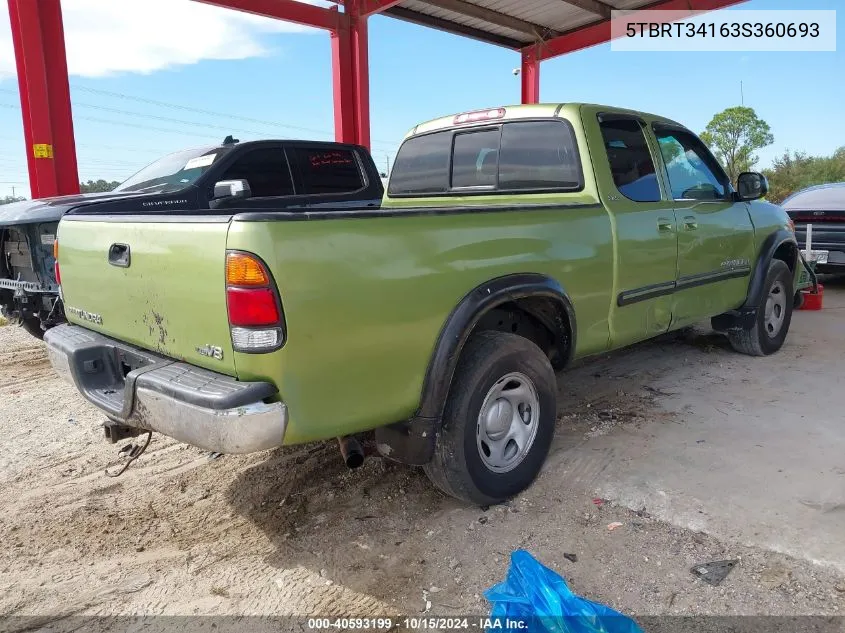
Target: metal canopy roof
{"type": "Point", "coordinates": [511, 23]}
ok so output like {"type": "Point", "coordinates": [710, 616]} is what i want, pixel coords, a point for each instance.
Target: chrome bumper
{"type": "Point", "coordinates": [190, 404]}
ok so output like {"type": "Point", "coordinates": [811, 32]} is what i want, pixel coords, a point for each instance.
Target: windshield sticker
{"type": "Point", "coordinates": [200, 161]}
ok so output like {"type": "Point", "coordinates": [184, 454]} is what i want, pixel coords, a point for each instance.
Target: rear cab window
{"type": "Point", "coordinates": [529, 156]}
{"type": "Point", "coordinates": [327, 171]}
{"type": "Point", "coordinates": [475, 159]}
{"type": "Point", "coordinates": [422, 165]}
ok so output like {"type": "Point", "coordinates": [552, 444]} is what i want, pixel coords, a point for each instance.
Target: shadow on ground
{"type": "Point", "coordinates": [369, 529]}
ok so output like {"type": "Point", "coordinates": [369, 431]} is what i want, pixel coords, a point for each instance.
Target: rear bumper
{"type": "Point", "coordinates": [151, 392]}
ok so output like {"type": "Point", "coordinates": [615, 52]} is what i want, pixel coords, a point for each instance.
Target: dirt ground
{"type": "Point", "coordinates": [293, 532]}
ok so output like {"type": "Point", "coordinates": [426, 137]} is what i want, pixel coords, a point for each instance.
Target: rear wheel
{"type": "Point", "coordinates": [773, 316]}
{"type": "Point", "coordinates": [499, 420]}
{"type": "Point", "coordinates": [33, 326]}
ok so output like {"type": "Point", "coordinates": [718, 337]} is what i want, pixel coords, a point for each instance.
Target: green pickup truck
{"type": "Point", "coordinates": [510, 242]}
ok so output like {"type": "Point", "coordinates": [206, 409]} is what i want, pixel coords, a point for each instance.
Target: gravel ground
{"type": "Point", "coordinates": [292, 532]}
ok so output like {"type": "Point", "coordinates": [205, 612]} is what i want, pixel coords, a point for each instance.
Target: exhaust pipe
{"type": "Point", "coordinates": [351, 451]}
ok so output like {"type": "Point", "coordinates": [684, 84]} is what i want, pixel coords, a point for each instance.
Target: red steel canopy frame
{"type": "Point", "coordinates": [38, 38]}
{"type": "Point", "coordinates": [39, 42]}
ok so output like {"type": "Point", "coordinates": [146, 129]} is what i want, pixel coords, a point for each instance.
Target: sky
{"type": "Point", "coordinates": [153, 76]}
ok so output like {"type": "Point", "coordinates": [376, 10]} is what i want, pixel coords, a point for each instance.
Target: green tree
{"type": "Point", "coordinates": [794, 171]}
{"type": "Point", "coordinates": [734, 135]}
{"type": "Point", "coordinates": [10, 199]}
{"type": "Point", "coordinates": [97, 186]}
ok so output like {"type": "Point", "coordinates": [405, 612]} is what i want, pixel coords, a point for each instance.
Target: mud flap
{"type": "Point", "coordinates": [742, 319]}
{"type": "Point", "coordinates": [409, 442]}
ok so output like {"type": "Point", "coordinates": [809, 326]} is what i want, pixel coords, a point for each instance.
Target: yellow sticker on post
{"type": "Point", "coordinates": [42, 150]}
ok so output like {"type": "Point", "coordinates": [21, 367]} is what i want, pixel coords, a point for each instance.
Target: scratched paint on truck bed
{"type": "Point", "coordinates": [171, 298]}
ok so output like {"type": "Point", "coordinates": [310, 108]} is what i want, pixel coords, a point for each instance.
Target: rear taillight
{"type": "Point", "coordinates": [252, 306]}
{"type": "Point", "coordinates": [255, 311]}
{"type": "Point", "coordinates": [56, 262]}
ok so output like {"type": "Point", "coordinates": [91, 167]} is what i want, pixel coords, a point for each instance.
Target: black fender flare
{"type": "Point", "coordinates": [744, 317]}
{"type": "Point", "coordinates": [770, 246]}
{"type": "Point", "coordinates": [412, 441]}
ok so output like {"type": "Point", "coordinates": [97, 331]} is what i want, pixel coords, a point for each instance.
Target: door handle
{"type": "Point", "coordinates": [690, 224]}
{"type": "Point", "coordinates": [665, 225]}
{"type": "Point", "coordinates": [119, 255]}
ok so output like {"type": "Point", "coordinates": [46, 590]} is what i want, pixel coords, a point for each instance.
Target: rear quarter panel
{"type": "Point", "coordinates": [365, 300]}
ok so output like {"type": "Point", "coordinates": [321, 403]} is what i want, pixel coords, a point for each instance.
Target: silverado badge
{"type": "Point", "coordinates": [212, 351]}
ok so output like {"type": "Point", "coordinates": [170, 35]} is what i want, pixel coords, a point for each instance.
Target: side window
{"type": "Point", "coordinates": [328, 170]}
{"type": "Point", "coordinates": [693, 172]}
{"type": "Point", "coordinates": [630, 160]}
{"type": "Point", "coordinates": [266, 171]}
{"type": "Point", "coordinates": [538, 155]}
{"type": "Point", "coordinates": [475, 159]}
{"type": "Point", "coordinates": [422, 165]}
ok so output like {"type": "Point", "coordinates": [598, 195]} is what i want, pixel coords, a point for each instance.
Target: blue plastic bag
{"type": "Point", "coordinates": [534, 599]}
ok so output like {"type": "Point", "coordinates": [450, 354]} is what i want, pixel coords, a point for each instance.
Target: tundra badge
{"type": "Point", "coordinates": [84, 315]}
{"type": "Point", "coordinates": [212, 351]}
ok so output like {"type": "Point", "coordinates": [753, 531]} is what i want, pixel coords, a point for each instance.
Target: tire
{"type": "Point", "coordinates": [33, 326]}
{"type": "Point", "coordinates": [496, 370]}
{"type": "Point", "coordinates": [767, 334]}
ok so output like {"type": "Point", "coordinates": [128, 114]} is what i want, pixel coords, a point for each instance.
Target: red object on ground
{"type": "Point", "coordinates": [813, 300]}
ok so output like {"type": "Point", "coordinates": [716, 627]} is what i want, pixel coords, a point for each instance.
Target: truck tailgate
{"type": "Point", "coordinates": [159, 285]}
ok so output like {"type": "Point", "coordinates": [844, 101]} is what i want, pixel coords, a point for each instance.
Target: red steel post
{"type": "Point", "coordinates": [359, 43]}
{"type": "Point", "coordinates": [38, 38]}
{"type": "Point", "coordinates": [342, 87]}
{"type": "Point", "coordinates": [351, 77]}
{"type": "Point", "coordinates": [530, 76]}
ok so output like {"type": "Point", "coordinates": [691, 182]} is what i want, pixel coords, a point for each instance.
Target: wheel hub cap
{"type": "Point", "coordinates": [775, 310]}
{"type": "Point", "coordinates": [507, 422]}
{"type": "Point", "coordinates": [498, 419]}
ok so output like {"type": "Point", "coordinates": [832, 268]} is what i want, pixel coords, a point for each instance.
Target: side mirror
{"type": "Point", "coordinates": [751, 186]}
{"type": "Point", "coordinates": [232, 189]}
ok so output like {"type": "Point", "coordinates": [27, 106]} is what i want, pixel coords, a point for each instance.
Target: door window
{"type": "Point", "coordinates": [266, 171]}
{"type": "Point", "coordinates": [693, 172]}
{"type": "Point", "coordinates": [630, 160]}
